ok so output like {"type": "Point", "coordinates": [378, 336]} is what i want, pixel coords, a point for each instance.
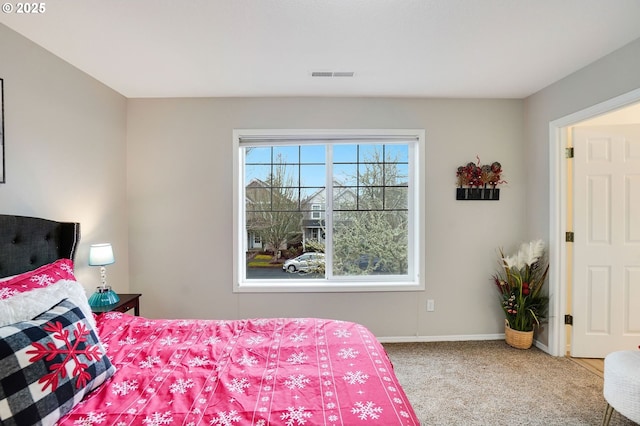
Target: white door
{"type": "Point", "coordinates": [606, 250]}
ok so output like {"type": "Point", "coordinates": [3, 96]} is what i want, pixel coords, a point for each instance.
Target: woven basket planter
{"type": "Point", "coordinates": [517, 339]}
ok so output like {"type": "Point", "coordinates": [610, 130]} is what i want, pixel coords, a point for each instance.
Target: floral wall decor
{"type": "Point", "coordinates": [479, 181]}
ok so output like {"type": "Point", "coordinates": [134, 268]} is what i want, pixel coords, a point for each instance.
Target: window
{"type": "Point", "coordinates": [352, 195]}
{"type": "Point", "coordinates": [315, 211]}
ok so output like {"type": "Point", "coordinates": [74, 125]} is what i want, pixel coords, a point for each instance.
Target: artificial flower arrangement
{"type": "Point", "coordinates": [476, 175]}
{"type": "Point", "coordinates": [519, 282]}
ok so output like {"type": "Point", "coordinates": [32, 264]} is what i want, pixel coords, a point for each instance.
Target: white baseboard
{"type": "Point", "coordinates": [452, 338]}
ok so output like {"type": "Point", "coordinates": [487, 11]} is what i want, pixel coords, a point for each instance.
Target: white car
{"type": "Point", "coordinates": [304, 262]}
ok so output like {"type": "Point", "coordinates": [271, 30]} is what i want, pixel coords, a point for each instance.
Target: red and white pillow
{"type": "Point", "coordinates": [26, 295]}
{"type": "Point", "coordinates": [38, 278]}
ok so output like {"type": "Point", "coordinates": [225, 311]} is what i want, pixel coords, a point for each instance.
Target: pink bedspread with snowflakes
{"type": "Point", "coordinates": [249, 372]}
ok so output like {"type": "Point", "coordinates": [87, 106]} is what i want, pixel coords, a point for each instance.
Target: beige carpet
{"type": "Point", "coordinates": [490, 383]}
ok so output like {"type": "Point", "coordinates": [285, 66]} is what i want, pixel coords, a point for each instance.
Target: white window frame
{"type": "Point", "coordinates": [414, 281]}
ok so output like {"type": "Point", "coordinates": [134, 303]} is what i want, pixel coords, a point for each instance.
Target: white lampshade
{"type": "Point", "coordinates": [101, 254]}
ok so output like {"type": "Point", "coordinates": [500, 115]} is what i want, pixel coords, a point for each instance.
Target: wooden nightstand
{"type": "Point", "coordinates": [127, 302]}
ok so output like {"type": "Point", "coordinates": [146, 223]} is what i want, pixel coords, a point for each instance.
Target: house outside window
{"type": "Point", "coordinates": [353, 195]}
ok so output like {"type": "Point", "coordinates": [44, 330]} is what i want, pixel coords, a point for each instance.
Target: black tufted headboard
{"type": "Point", "coordinates": [29, 242]}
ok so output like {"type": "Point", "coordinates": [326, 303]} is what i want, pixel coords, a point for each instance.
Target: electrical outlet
{"type": "Point", "coordinates": [431, 305]}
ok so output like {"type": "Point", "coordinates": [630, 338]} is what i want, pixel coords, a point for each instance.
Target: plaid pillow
{"type": "Point", "coordinates": [48, 364]}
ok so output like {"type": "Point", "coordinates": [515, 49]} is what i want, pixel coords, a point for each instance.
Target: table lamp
{"type": "Point", "coordinates": [101, 255]}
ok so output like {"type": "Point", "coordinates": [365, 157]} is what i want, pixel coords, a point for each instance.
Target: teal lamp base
{"type": "Point", "coordinates": [103, 296]}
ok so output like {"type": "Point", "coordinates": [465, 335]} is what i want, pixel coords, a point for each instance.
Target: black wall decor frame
{"type": "Point", "coordinates": [2, 169]}
{"type": "Point", "coordinates": [490, 194]}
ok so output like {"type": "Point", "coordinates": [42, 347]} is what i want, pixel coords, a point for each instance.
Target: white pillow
{"type": "Point", "coordinates": [29, 304]}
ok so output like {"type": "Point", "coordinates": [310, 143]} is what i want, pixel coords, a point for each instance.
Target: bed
{"type": "Point", "coordinates": [62, 364]}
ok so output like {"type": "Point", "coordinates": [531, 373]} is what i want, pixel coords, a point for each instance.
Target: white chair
{"type": "Point", "coordinates": [622, 385]}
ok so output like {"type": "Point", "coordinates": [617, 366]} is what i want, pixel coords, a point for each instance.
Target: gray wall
{"type": "Point", "coordinates": [180, 216]}
{"type": "Point", "coordinates": [65, 136]}
{"type": "Point", "coordinates": [610, 77]}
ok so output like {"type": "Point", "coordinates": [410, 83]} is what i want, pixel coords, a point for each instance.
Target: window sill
{"type": "Point", "coordinates": [305, 286]}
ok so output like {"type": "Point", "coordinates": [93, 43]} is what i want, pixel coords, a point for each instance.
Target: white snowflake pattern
{"type": "Point", "coordinates": [128, 341]}
{"type": "Point", "coordinates": [167, 341]}
{"type": "Point", "coordinates": [199, 361]}
{"type": "Point", "coordinates": [125, 387]}
{"type": "Point", "coordinates": [238, 385]}
{"type": "Point", "coordinates": [113, 315]}
{"type": "Point", "coordinates": [181, 386]}
{"type": "Point", "coordinates": [295, 416]}
{"type": "Point", "coordinates": [42, 280]}
{"type": "Point", "coordinates": [226, 419]}
{"type": "Point", "coordinates": [149, 362]}
{"type": "Point", "coordinates": [297, 358]}
{"type": "Point", "coordinates": [65, 267]}
{"type": "Point", "coordinates": [298, 337]}
{"type": "Point", "coordinates": [185, 323]}
{"type": "Point", "coordinates": [357, 377]}
{"type": "Point", "coordinates": [248, 360]}
{"type": "Point", "coordinates": [299, 381]}
{"type": "Point", "coordinates": [347, 353]}
{"type": "Point", "coordinates": [6, 293]}
{"type": "Point", "coordinates": [91, 419]}
{"type": "Point", "coordinates": [211, 340]}
{"type": "Point", "coordinates": [157, 419]}
{"type": "Point", "coordinates": [255, 340]}
{"type": "Point", "coordinates": [366, 410]}
{"type": "Point", "coordinates": [342, 333]}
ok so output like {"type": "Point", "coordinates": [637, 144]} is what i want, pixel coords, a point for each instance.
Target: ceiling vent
{"type": "Point", "coordinates": [332, 74]}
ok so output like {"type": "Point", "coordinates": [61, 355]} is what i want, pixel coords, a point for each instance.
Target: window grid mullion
{"type": "Point", "coordinates": [328, 214]}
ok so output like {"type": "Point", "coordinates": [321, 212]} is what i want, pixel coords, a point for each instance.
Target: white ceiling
{"type": "Point", "coordinates": [415, 48]}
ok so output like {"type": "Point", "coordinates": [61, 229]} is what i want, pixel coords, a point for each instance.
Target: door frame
{"type": "Point", "coordinates": [558, 213]}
